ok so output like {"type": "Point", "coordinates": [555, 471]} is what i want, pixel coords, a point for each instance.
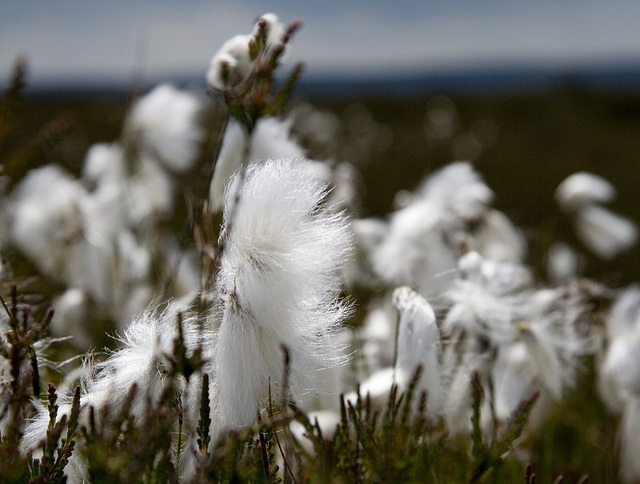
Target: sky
{"type": "Point", "coordinates": [91, 40]}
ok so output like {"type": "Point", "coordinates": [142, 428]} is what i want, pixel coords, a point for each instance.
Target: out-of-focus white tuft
{"type": "Point", "coordinates": [232, 64]}
{"type": "Point", "coordinates": [562, 263]}
{"type": "Point", "coordinates": [47, 219]}
{"type": "Point", "coordinates": [582, 189]}
{"type": "Point", "coordinates": [270, 139]}
{"type": "Point", "coordinates": [603, 232]}
{"type": "Point", "coordinates": [629, 439]}
{"type": "Point", "coordinates": [418, 345]}
{"type": "Point", "coordinates": [521, 339]}
{"type": "Point", "coordinates": [460, 189]}
{"type": "Point", "coordinates": [164, 123]}
{"type": "Point", "coordinates": [620, 370]}
{"type": "Point", "coordinates": [619, 383]}
{"type": "Point", "coordinates": [448, 215]}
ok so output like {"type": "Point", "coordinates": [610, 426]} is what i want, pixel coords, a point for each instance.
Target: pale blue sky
{"type": "Point", "coordinates": [80, 39]}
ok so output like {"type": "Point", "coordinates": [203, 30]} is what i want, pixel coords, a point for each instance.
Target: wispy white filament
{"type": "Point", "coordinates": [142, 360]}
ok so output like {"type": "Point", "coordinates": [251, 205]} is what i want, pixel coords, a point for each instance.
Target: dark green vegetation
{"type": "Point", "coordinates": [393, 444]}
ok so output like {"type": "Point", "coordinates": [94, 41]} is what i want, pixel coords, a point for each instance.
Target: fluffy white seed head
{"type": "Point", "coordinates": [582, 189]}
{"type": "Point", "coordinates": [270, 139]}
{"type": "Point", "coordinates": [414, 250]}
{"type": "Point", "coordinates": [604, 232]}
{"type": "Point", "coordinates": [278, 284]}
{"type": "Point", "coordinates": [377, 335]}
{"type": "Point", "coordinates": [563, 263]}
{"type": "Point", "coordinates": [497, 238]}
{"type": "Point", "coordinates": [622, 364]}
{"type": "Point", "coordinates": [418, 345]}
{"type": "Point", "coordinates": [513, 379]}
{"type": "Point", "coordinates": [274, 28]}
{"type": "Point", "coordinates": [461, 189]}
{"type": "Point", "coordinates": [47, 219]}
{"type": "Point", "coordinates": [231, 65]}
{"type": "Point", "coordinates": [141, 360]}
{"type": "Point", "coordinates": [486, 297]}
{"type": "Point", "coordinates": [164, 123]}
{"type": "Point", "coordinates": [624, 317]}
{"type": "Point", "coordinates": [425, 237]}
{"type": "Point", "coordinates": [104, 163]}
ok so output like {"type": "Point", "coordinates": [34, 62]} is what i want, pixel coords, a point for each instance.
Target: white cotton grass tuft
{"type": "Point", "coordinates": [232, 64]}
{"type": "Point", "coordinates": [377, 335]}
{"type": "Point", "coordinates": [71, 309]}
{"type": "Point", "coordinates": [270, 139]}
{"type": "Point", "coordinates": [563, 263]}
{"type": "Point", "coordinates": [418, 344]}
{"type": "Point", "coordinates": [629, 441]}
{"type": "Point", "coordinates": [498, 239]}
{"type": "Point", "coordinates": [484, 298]}
{"type": "Point", "coordinates": [279, 285]}
{"type": "Point", "coordinates": [165, 123]}
{"type": "Point", "coordinates": [275, 30]}
{"type": "Point", "coordinates": [414, 250]}
{"type": "Point", "coordinates": [513, 379]}
{"type": "Point", "coordinates": [141, 360]}
{"type": "Point", "coordinates": [582, 189]}
{"type": "Point", "coordinates": [426, 237]}
{"type": "Point", "coordinates": [619, 383]}
{"type": "Point", "coordinates": [520, 338]}
{"type": "Point", "coordinates": [47, 219]}
{"type": "Point", "coordinates": [460, 189]}
{"type": "Point", "coordinates": [603, 232]}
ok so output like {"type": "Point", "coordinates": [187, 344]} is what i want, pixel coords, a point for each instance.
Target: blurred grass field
{"type": "Point", "coordinates": [532, 141]}
{"type": "Point", "coordinates": [536, 140]}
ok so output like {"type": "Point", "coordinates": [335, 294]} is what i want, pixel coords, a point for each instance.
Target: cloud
{"type": "Point", "coordinates": [70, 38]}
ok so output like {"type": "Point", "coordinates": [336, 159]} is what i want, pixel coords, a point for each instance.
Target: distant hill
{"type": "Point", "coordinates": [474, 79]}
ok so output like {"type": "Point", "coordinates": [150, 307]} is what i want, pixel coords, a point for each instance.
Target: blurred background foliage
{"type": "Point", "coordinates": [524, 143]}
